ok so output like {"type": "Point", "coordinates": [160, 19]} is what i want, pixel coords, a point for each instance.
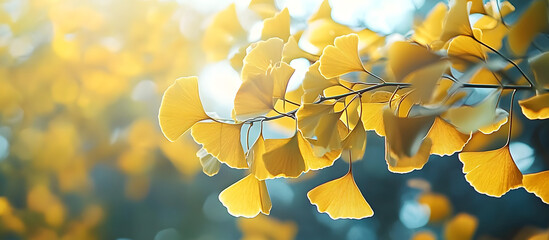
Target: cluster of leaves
{"type": "Point", "coordinates": [70, 100]}
{"type": "Point", "coordinates": [421, 93]}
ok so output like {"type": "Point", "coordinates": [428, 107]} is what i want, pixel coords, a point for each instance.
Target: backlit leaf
{"type": "Point", "coordinates": [246, 198]}
{"type": "Point", "coordinates": [222, 140]}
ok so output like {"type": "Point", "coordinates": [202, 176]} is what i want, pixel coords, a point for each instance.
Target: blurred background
{"type": "Point", "coordinates": [82, 156]}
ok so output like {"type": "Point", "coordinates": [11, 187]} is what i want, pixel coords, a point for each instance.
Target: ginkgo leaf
{"type": "Point", "coordinates": [324, 11]}
{"type": "Point", "coordinates": [406, 135]}
{"type": "Point", "coordinates": [456, 22]}
{"type": "Point", "coordinates": [539, 65]}
{"type": "Point", "coordinates": [292, 51]}
{"type": "Point", "coordinates": [439, 205]}
{"type": "Point", "coordinates": [340, 198]}
{"type": "Point", "coordinates": [222, 140]}
{"type": "Point", "coordinates": [222, 34]}
{"type": "Point", "coordinates": [406, 57]}
{"type": "Point", "coordinates": [372, 112]}
{"type": "Point", "coordinates": [210, 164]}
{"type": "Point", "coordinates": [484, 114]}
{"type": "Point", "coordinates": [308, 117]}
{"type": "Point", "coordinates": [314, 83]}
{"type": "Point", "coordinates": [281, 74]}
{"type": "Point", "coordinates": [429, 31]}
{"type": "Point", "coordinates": [424, 80]}
{"type": "Point", "coordinates": [477, 6]}
{"type": "Point", "coordinates": [461, 227]}
{"type": "Point", "coordinates": [313, 162]}
{"type": "Point", "coordinates": [254, 97]}
{"type": "Point", "coordinates": [237, 60]}
{"type": "Point", "coordinates": [499, 120]}
{"type": "Point", "coordinates": [341, 58]}
{"type": "Point", "coordinates": [263, 227]}
{"type": "Point", "coordinates": [492, 172]}
{"type": "Point", "coordinates": [369, 42]}
{"type": "Point", "coordinates": [261, 57]}
{"type": "Point", "coordinates": [321, 33]}
{"type": "Point", "coordinates": [355, 141]}
{"type": "Point", "coordinates": [277, 26]}
{"type": "Point", "coordinates": [246, 198]}
{"type": "Point", "coordinates": [283, 158]}
{"type": "Point", "coordinates": [406, 164]}
{"type": "Point", "coordinates": [538, 184]}
{"type": "Point", "coordinates": [264, 8]}
{"type": "Point", "coordinates": [499, 10]}
{"type": "Point", "coordinates": [464, 52]}
{"type": "Point", "coordinates": [446, 138]}
{"type": "Point", "coordinates": [327, 135]}
{"type": "Point", "coordinates": [531, 23]}
{"type": "Point", "coordinates": [181, 108]}
{"type": "Point", "coordinates": [536, 107]}
{"type": "Point", "coordinates": [255, 158]}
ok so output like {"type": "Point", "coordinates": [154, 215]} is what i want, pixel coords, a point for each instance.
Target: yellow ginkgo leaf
{"type": "Point", "coordinates": [461, 227]}
{"type": "Point", "coordinates": [264, 8]}
{"type": "Point", "coordinates": [255, 159]}
{"type": "Point", "coordinates": [464, 51]}
{"type": "Point", "coordinates": [372, 112]}
{"type": "Point", "coordinates": [446, 138]}
{"type": "Point", "coordinates": [536, 107]}
{"type": "Point", "coordinates": [492, 172]}
{"type": "Point", "coordinates": [499, 10]}
{"type": "Point", "coordinates": [182, 154]}
{"type": "Point", "coordinates": [222, 140]}
{"type": "Point", "coordinates": [499, 120]}
{"type": "Point", "coordinates": [340, 198]}
{"type": "Point", "coordinates": [313, 162]}
{"type": "Point", "coordinates": [484, 114]}
{"type": "Point", "coordinates": [277, 26]}
{"type": "Point", "coordinates": [324, 11]}
{"type": "Point", "coordinates": [283, 158]}
{"type": "Point", "coordinates": [439, 205]}
{"type": "Point", "coordinates": [406, 57]}
{"type": "Point", "coordinates": [263, 55]}
{"type": "Point", "coordinates": [456, 22]}
{"type": "Point", "coordinates": [531, 23]}
{"type": "Point", "coordinates": [321, 33]}
{"type": "Point", "coordinates": [309, 114]}
{"type": "Point", "coordinates": [406, 135]}
{"type": "Point", "coordinates": [246, 198]}
{"type": "Point", "coordinates": [341, 58]}
{"type": "Point", "coordinates": [327, 135]}
{"type": "Point", "coordinates": [539, 65]}
{"type": "Point", "coordinates": [477, 6]}
{"type": "Point", "coordinates": [429, 31]}
{"type": "Point", "coordinates": [537, 183]}
{"type": "Point", "coordinates": [314, 83]}
{"type": "Point", "coordinates": [222, 34]}
{"type": "Point", "coordinates": [292, 51]}
{"type": "Point", "coordinates": [406, 164]}
{"type": "Point", "coordinates": [424, 80]}
{"type": "Point", "coordinates": [355, 141]}
{"type": "Point", "coordinates": [237, 60]}
{"type": "Point", "coordinates": [210, 164]}
{"type": "Point", "coordinates": [254, 97]}
{"type": "Point", "coordinates": [281, 74]}
{"type": "Point", "coordinates": [181, 108]}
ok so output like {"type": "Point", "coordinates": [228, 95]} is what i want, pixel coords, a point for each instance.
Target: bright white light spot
{"type": "Point", "coordinates": [4, 147]}
{"type": "Point", "coordinates": [144, 91]}
{"type": "Point", "coordinates": [20, 47]}
{"type": "Point", "coordinates": [301, 66]}
{"type": "Point", "coordinates": [219, 83]}
{"type": "Point", "coordinates": [280, 191]}
{"type": "Point", "coordinates": [414, 215]}
{"type": "Point", "coordinates": [111, 43]}
{"type": "Point", "coordinates": [255, 32]}
{"type": "Point", "coordinates": [299, 9]}
{"type": "Point", "coordinates": [5, 34]}
{"type": "Point", "coordinates": [522, 154]}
